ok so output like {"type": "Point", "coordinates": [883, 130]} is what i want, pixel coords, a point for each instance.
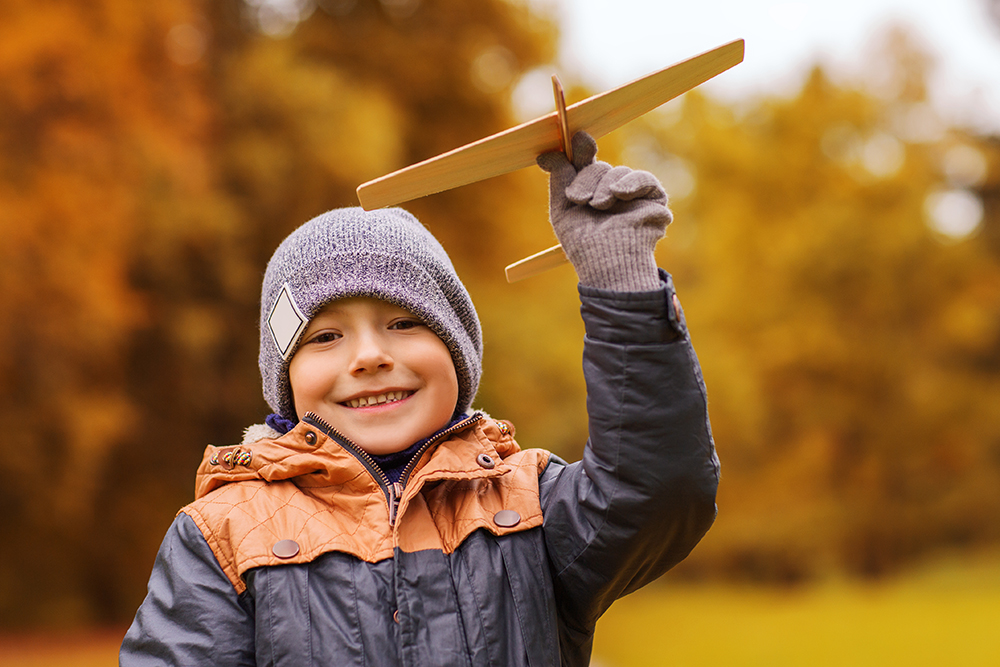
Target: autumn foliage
{"type": "Point", "coordinates": [845, 305]}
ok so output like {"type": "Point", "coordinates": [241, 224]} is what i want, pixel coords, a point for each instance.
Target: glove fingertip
{"type": "Point", "coordinates": [587, 182]}
{"type": "Point", "coordinates": [578, 193]}
{"type": "Point", "coordinates": [603, 203]}
{"type": "Point", "coordinates": [639, 184]}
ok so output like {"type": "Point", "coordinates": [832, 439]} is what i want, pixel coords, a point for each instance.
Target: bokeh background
{"type": "Point", "coordinates": [836, 247]}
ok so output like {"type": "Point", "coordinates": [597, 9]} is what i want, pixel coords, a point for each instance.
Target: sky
{"type": "Point", "coordinates": [606, 47]}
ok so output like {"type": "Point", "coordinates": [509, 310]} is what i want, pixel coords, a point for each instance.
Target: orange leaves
{"type": "Point", "coordinates": [152, 156]}
{"type": "Point", "coordinates": [843, 337]}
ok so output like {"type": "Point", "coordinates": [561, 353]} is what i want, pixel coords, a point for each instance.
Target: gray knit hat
{"type": "Point", "coordinates": [386, 254]}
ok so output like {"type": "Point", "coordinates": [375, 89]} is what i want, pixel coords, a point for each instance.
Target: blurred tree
{"type": "Point", "coordinates": [837, 271]}
{"type": "Point", "coordinates": [153, 155]}
{"type": "Point", "coordinates": [92, 113]}
{"type": "Point", "coordinates": [837, 253]}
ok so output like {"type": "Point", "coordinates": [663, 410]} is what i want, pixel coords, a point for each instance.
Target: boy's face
{"type": "Point", "coordinates": [374, 372]}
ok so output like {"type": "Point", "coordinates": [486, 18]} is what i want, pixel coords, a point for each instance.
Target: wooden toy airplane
{"type": "Point", "coordinates": [519, 146]}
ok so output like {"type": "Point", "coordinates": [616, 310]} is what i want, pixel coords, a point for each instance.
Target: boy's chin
{"type": "Point", "coordinates": [379, 442]}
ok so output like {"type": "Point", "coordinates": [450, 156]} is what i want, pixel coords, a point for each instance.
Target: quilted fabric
{"type": "Point", "coordinates": [305, 487]}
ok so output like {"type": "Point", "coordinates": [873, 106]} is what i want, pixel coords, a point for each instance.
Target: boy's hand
{"type": "Point", "coordinates": [608, 219]}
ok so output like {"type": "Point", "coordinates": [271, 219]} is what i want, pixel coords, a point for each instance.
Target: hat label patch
{"type": "Point", "coordinates": [286, 322]}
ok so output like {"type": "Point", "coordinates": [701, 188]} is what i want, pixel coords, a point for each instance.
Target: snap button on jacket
{"type": "Point", "coordinates": [324, 499]}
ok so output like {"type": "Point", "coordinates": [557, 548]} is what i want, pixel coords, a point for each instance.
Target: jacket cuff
{"type": "Point", "coordinates": [633, 318]}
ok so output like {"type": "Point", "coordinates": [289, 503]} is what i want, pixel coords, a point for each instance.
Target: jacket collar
{"type": "Point", "coordinates": [312, 458]}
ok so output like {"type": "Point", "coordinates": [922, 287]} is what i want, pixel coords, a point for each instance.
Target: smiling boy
{"type": "Point", "coordinates": [376, 519]}
{"type": "Point", "coordinates": [376, 372]}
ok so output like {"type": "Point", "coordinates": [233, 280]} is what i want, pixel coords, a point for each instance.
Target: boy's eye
{"type": "Point", "coordinates": [324, 337]}
{"type": "Point", "coordinates": [405, 324]}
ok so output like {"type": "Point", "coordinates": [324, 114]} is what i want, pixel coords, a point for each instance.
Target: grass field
{"type": "Point", "coordinates": [945, 615]}
{"type": "Point", "coordinates": [941, 616]}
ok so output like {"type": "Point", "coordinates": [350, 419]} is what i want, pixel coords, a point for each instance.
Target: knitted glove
{"type": "Point", "coordinates": [608, 219]}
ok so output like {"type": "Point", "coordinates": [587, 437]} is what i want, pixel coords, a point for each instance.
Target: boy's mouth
{"type": "Point", "coordinates": [377, 399]}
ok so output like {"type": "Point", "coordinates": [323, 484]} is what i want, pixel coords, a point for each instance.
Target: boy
{"type": "Point", "coordinates": [376, 520]}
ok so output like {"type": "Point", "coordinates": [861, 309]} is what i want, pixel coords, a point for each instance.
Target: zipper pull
{"type": "Point", "coordinates": [395, 493]}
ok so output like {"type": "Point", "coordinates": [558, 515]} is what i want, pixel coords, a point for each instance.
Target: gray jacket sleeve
{"type": "Point", "coordinates": [644, 493]}
{"type": "Point", "coordinates": [191, 614]}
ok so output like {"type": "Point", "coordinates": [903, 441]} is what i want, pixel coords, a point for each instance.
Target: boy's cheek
{"type": "Point", "coordinates": [306, 381]}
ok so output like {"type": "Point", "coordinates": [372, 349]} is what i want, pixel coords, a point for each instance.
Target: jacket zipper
{"type": "Point", "coordinates": [408, 470]}
{"type": "Point", "coordinates": [393, 490]}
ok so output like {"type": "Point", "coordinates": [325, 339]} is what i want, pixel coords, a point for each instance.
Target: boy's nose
{"type": "Point", "coordinates": [370, 356]}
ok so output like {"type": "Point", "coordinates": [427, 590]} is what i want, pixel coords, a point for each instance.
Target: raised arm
{"type": "Point", "coordinates": [644, 493]}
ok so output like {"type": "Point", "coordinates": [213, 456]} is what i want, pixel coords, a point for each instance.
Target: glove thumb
{"type": "Point", "coordinates": [584, 152]}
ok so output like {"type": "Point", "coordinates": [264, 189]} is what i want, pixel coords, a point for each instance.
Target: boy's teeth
{"type": "Point", "coordinates": [388, 397]}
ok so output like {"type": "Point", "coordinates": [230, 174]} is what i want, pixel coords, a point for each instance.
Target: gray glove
{"type": "Point", "coordinates": [608, 219]}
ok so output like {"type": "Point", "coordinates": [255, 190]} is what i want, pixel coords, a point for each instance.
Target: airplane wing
{"type": "Point", "coordinates": [519, 146]}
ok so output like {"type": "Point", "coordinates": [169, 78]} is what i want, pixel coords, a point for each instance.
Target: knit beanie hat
{"type": "Point", "coordinates": [386, 254]}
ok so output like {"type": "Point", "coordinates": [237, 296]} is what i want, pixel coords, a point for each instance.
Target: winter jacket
{"type": "Point", "coordinates": [297, 551]}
